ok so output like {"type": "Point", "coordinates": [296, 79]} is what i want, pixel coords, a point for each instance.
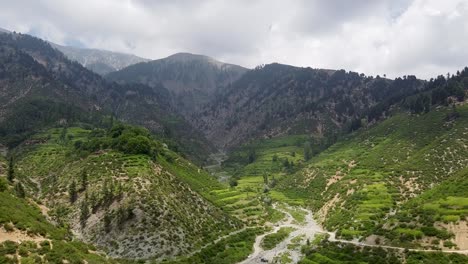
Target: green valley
{"type": "Point", "coordinates": [187, 159]}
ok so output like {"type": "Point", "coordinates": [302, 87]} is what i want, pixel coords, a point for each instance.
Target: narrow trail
{"type": "Point", "coordinates": [308, 230]}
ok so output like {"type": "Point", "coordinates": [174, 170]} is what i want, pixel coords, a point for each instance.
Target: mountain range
{"type": "Point", "coordinates": [99, 61]}
{"type": "Point", "coordinates": [193, 80]}
{"type": "Point", "coordinates": [186, 159]}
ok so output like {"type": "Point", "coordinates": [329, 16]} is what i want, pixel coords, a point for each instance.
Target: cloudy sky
{"type": "Point", "coordinates": [392, 37]}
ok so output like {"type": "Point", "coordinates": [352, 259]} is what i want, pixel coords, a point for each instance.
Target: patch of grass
{"type": "Point", "coordinates": [27, 217]}
{"type": "Point", "coordinates": [296, 242]}
{"type": "Point", "coordinates": [271, 240]}
{"type": "Point", "coordinates": [274, 215]}
{"type": "Point", "coordinates": [319, 237]}
{"type": "Point", "coordinates": [407, 163]}
{"type": "Point", "coordinates": [154, 183]}
{"type": "Point", "coordinates": [227, 251]}
{"type": "Point", "coordinates": [337, 253]}
{"type": "Point", "coordinates": [284, 258]}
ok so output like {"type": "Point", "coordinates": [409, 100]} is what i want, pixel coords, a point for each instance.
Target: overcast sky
{"type": "Point", "coordinates": [393, 37]}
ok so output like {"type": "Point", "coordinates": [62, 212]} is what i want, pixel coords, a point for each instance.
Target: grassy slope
{"type": "Point", "coordinates": [232, 249]}
{"type": "Point", "coordinates": [337, 253]}
{"type": "Point", "coordinates": [156, 209]}
{"type": "Point", "coordinates": [22, 215]}
{"type": "Point", "coordinates": [359, 179]}
{"type": "Point", "coordinates": [248, 200]}
{"type": "Point", "coordinates": [271, 240]}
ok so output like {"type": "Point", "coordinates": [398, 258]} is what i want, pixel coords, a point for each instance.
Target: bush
{"type": "Point", "coordinates": [9, 227]}
{"type": "Point", "coordinates": [124, 138]}
{"type": "Point", "coordinates": [233, 182]}
{"type": "Point", "coordinates": [8, 247]}
{"type": "Point", "coordinates": [3, 185]}
{"type": "Point", "coordinates": [19, 190]}
{"type": "Point", "coordinates": [449, 244]}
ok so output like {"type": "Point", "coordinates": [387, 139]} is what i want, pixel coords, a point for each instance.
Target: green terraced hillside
{"type": "Point", "coordinates": [403, 180]}
{"type": "Point", "coordinates": [122, 191]}
{"type": "Point", "coordinates": [26, 234]}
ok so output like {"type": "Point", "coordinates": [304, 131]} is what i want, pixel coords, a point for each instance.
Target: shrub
{"type": "Point", "coordinates": [9, 227]}
{"type": "Point", "coordinates": [3, 185]}
{"type": "Point", "coordinates": [8, 247]}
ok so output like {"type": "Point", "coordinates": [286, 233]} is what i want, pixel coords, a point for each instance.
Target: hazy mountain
{"type": "Point", "coordinates": [191, 79]}
{"type": "Point", "coordinates": [38, 78]}
{"type": "Point", "coordinates": [145, 196]}
{"type": "Point", "coordinates": [99, 61]}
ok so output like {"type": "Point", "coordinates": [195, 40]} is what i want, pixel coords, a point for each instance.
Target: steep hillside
{"type": "Point", "coordinates": [341, 253]}
{"type": "Point", "coordinates": [122, 191]}
{"type": "Point", "coordinates": [191, 79]}
{"type": "Point", "coordinates": [40, 86]}
{"type": "Point", "coordinates": [26, 234]}
{"type": "Point", "coordinates": [367, 183]}
{"type": "Point", "coordinates": [279, 99]}
{"type": "Point", "coordinates": [99, 61]}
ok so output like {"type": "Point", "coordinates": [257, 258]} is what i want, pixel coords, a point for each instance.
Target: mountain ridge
{"type": "Point", "coordinates": [192, 79]}
{"type": "Point", "coordinates": [277, 99]}
{"type": "Point", "coordinates": [379, 160]}
{"type": "Point", "coordinates": [99, 60]}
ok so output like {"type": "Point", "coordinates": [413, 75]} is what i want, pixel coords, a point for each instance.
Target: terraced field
{"type": "Point", "coordinates": [133, 205]}
{"type": "Point", "coordinates": [255, 180]}
{"type": "Point", "coordinates": [368, 182]}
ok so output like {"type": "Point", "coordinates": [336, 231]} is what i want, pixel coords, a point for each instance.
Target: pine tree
{"type": "Point", "coordinates": [84, 180]}
{"type": "Point", "coordinates": [19, 189]}
{"type": "Point", "coordinates": [84, 213]}
{"type": "Point", "coordinates": [63, 135]}
{"type": "Point", "coordinates": [265, 178]}
{"type": "Point", "coordinates": [307, 151]}
{"type": "Point", "coordinates": [107, 222]}
{"type": "Point", "coordinates": [106, 192]}
{"type": "Point", "coordinates": [273, 181]}
{"type": "Point", "coordinates": [72, 192]}
{"type": "Point", "coordinates": [11, 170]}
{"type": "Point", "coordinates": [251, 155]}
{"type": "Point", "coordinates": [111, 121]}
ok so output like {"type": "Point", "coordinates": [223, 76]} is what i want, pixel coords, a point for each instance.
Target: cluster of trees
{"type": "Point", "coordinates": [73, 188]}
{"type": "Point", "coordinates": [30, 115]}
{"type": "Point", "coordinates": [252, 155]}
{"type": "Point", "coordinates": [110, 191]}
{"type": "Point", "coordinates": [420, 103]}
{"type": "Point", "coordinates": [307, 151]}
{"type": "Point", "coordinates": [18, 187]}
{"type": "Point", "coordinates": [118, 216]}
{"type": "Point", "coordinates": [442, 92]}
{"type": "Point", "coordinates": [414, 95]}
{"type": "Point", "coordinates": [124, 138]}
{"type": "Point", "coordinates": [329, 252]}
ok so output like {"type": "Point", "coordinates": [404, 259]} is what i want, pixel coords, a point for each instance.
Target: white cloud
{"type": "Point", "coordinates": [420, 37]}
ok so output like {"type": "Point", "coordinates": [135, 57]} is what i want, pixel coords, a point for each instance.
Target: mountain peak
{"type": "Point", "coordinates": [190, 57]}
{"type": "Point", "coordinates": [2, 30]}
{"type": "Point", "coordinates": [186, 55]}
{"type": "Point", "coordinates": [99, 61]}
